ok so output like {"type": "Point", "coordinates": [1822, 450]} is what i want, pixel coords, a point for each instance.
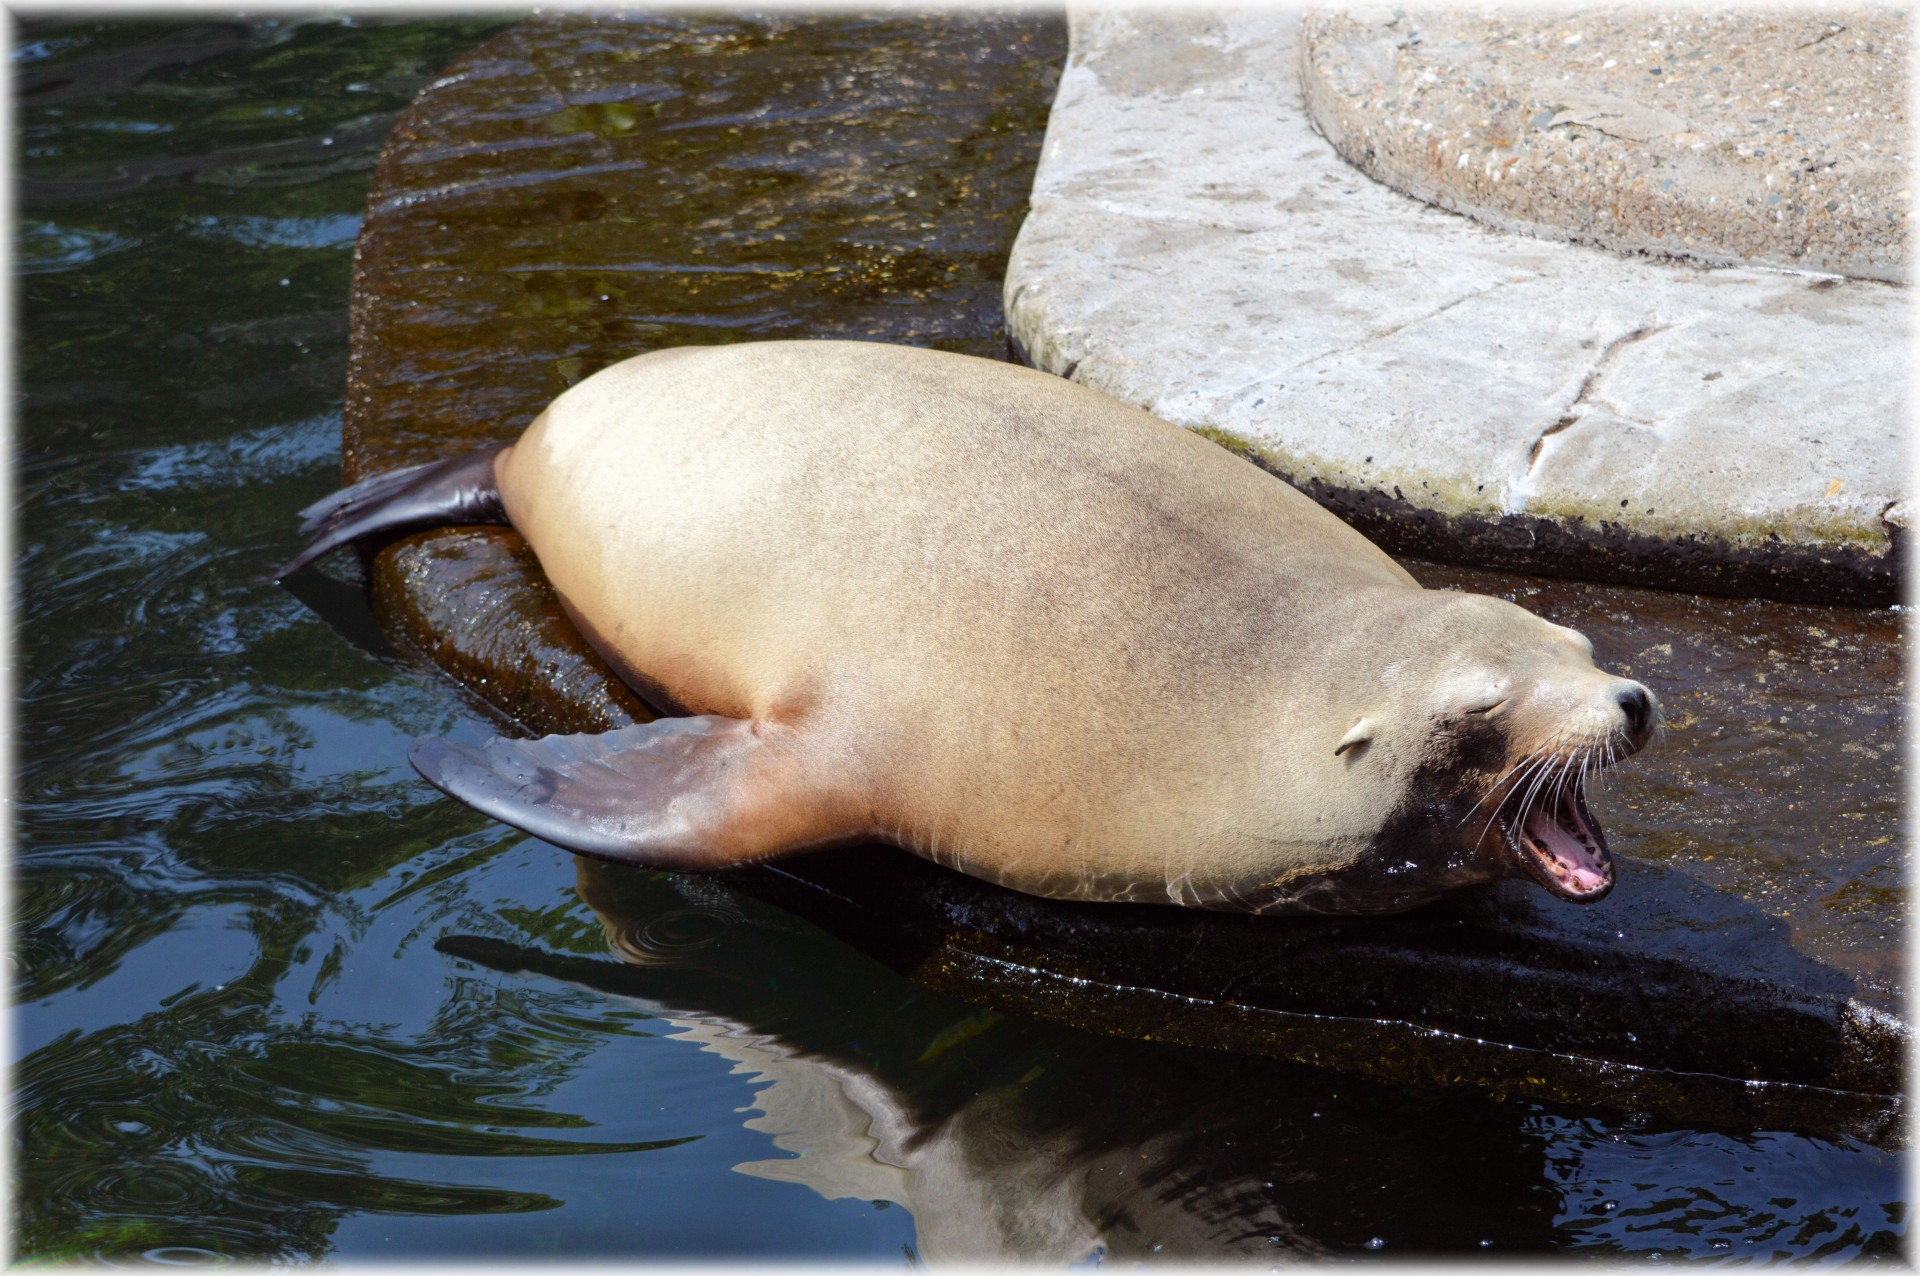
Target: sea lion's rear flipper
{"type": "Point", "coordinates": [680, 793]}
{"type": "Point", "coordinates": [460, 489]}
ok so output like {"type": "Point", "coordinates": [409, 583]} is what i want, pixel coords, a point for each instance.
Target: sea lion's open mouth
{"type": "Point", "coordinates": [1558, 843]}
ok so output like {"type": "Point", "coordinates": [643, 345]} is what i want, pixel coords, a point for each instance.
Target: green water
{"type": "Point", "coordinates": [276, 999]}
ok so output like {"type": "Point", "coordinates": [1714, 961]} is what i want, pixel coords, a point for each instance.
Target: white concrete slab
{"type": "Point", "coordinates": [1195, 247]}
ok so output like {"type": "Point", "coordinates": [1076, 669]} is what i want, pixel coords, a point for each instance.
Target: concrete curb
{"type": "Point", "coordinates": [1194, 246]}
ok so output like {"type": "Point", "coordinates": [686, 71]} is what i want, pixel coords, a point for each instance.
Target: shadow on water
{"type": "Point", "coordinates": [1705, 1015]}
{"type": "Point", "coordinates": [344, 607]}
{"type": "Point", "coordinates": [1005, 1137]}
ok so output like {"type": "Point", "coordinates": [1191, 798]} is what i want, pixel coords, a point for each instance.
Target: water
{"type": "Point", "coordinates": [276, 999]}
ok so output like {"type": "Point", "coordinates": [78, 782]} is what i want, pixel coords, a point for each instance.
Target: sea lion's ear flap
{"type": "Point", "coordinates": [1357, 735]}
{"type": "Point", "coordinates": [679, 793]}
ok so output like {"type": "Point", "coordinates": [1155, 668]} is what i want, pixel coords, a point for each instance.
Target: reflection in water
{"type": "Point", "coordinates": [1007, 1138]}
{"type": "Point", "coordinates": [982, 1184]}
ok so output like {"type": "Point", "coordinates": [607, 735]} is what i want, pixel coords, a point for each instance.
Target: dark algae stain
{"type": "Point", "coordinates": [1754, 565]}
{"type": "Point", "coordinates": [275, 999]}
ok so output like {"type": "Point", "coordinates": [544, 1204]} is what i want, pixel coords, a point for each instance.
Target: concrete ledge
{"type": "Point", "coordinates": [1195, 247]}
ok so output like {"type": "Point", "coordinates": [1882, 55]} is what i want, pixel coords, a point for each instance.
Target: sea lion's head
{"type": "Point", "coordinates": [1485, 724]}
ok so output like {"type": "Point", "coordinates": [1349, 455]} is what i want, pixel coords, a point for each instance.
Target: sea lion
{"type": "Point", "coordinates": [1017, 627]}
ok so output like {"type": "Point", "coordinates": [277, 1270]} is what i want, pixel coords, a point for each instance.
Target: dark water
{"type": "Point", "coordinates": [276, 999]}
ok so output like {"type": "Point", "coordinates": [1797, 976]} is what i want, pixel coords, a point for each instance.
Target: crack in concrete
{"type": "Point", "coordinates": [1576, 409]}
{"type": "Point", "coordinates": [1171, 216]}
{"type": "Point", "coordinates": [1622, 415]}
{"type": "Point", "coordinates": [1361, 344]}
{"type": "Point", "coordinates": [1396, 330]}
{"type": "Point", "coordinates": [1833, 29]}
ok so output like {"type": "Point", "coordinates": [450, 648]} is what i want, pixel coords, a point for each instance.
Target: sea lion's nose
{"type": "Point", "coordinates": [1637, 705]}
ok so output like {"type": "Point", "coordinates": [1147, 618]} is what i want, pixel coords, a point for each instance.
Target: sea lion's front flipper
{"type": "Point", "coordinates": [679, 793]}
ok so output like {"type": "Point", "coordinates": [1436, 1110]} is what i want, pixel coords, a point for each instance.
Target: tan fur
{"type": "Point", "coordinates": [1010, 623]}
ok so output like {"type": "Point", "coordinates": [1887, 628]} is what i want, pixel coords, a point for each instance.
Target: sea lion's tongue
{"type": "Point", "coordinates": [1577, 866]}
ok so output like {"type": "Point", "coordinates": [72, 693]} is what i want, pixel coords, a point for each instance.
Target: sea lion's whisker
{"type": "Point", "coordinates": [1502, 786]}
{"type": "Point", "coordinates": [1527, 803]}
{"type": "Point", "coordinates": [1536, 774]}
{"type": "Point", "coordinates": [1658, 738]}
{"type": "Point", "coordinates": [1534, 771]}
{"type": "Point", "coordinates": [1563, 776]}
{"type": "Point", "coordinates": [1558, 771]}
{"type": "Point", "coordinates": [1564, 780]}
{"type": "Point", "coordinates": [1507, 785]}
{"type": "Point", "coordinates": [1602, 773]}
{"type": "Point", "coordinates": [1507, 782]}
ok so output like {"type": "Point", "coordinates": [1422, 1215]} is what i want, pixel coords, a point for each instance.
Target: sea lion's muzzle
{"type": "Point", "coordinates": [1541, 810]}
{"type": "Point", "coordinates": [1560, 846]}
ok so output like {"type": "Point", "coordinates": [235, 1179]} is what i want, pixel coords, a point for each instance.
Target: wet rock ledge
{"type": "Point", "coordinates": [586, 187]}
{"type": "Point", "coordinates": [1197, 246]}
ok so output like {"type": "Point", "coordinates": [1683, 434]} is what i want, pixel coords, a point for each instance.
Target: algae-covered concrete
{"type": "Point", "coordinates": [524, 229]}
{"type": "Point", "coordinates": [1196, 247]}
{"type": "Point", "coordinates": [577, 191]}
